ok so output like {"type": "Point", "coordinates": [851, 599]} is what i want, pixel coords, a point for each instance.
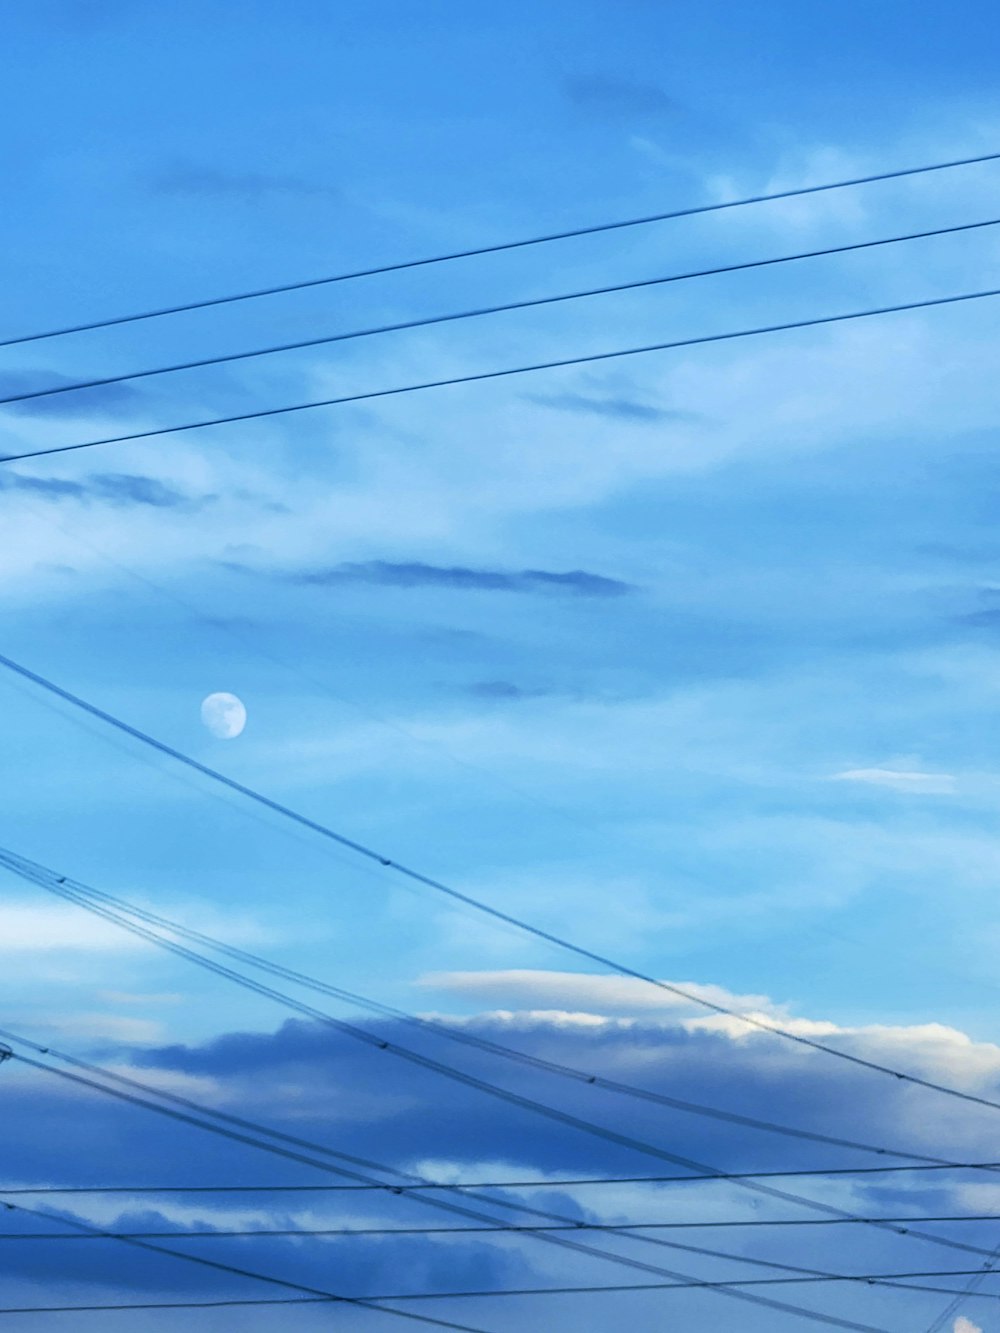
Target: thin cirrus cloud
{"type": "Point", "coordinates": [190, 178]}
{"type": "Point", "coordinates": [416, 574]}
{"type": "Point", "coordinates": [903, 780]}
{"type": "Point", "coordinates": [611, 94]}
{"type": "Point", "coordinates": [505, 690]}
{"type": "Point", "coordinates": [617, 407]}
{"type": "Point", "coordinates": [103, 399]}
{"type": "Point", "coordinates": [120, 489]}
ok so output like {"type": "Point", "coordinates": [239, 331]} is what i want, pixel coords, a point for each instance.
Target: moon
{"type": "Point", "coordinates": [224, 715]}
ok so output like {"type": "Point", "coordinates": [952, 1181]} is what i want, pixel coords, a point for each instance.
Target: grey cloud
{"type": "Point", "coordinates": [120, 489]}
{"type": "Point", "coordinates": [404, 1116]}
{"type": "Point", "coordinates": [415, 574]}
{"type": "Point", "coordinates": [623, 409]}
{"type": "Point", "coordinates": [110, 399]}
{"type": "Point", "coordinates": [609, 93]}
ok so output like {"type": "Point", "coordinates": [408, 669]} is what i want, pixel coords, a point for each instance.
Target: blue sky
{"type": "Point", "coordinates": [691, 657]}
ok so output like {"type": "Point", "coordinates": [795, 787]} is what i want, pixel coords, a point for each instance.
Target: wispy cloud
{"type": "Point", "coordinates": [192, 178]}
{"type": "Point", "coordinates": [120, 489]}
{"type": "Point", "coordinates": [905, 780]}
{"type": "Point", "coordinates": [107, 399]}
{"type": "Point", "coordinates": [618, 95]}
{"type": "Point", "coordinates": [504, 690]}
{"type": "Point", "coordinates": [617, 407]}
{"type": "Point", "coordinates": [416, 574]}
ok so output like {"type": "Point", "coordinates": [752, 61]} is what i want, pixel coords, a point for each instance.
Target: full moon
{"type": "Point", "coordinates": [224, 715]}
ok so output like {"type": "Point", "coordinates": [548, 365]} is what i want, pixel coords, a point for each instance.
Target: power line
{"type": "Point", "coordinates": [365, 1302]}
{"type": "Point", "coordinates": [107, 1234]}
{"type": "Point", "coordinates": [483, 375]}
{"type": "Point", "coordinates": [559, 1240]}
{"type": "Point", "coordinates": [549, 1112]}
{"type": "Point", "coordinates": [417, 877]}
{"type": "Point", "coordinates": [248, 1233]}
{"type": "Point", "coordinates": [479, 312]}
{"type": "Point", "coordinates": [543, 239]}
{"type": "Point", "coordinates": [459, 1076]}
{"type": "Point", "coordinates": [375, 1042]}
{"type": "Point", "coordinates": [898, 1281]}
{"type": "Point", "coordinates": [525, 1103]}
{"type": "Point", "coordinates": [970, 1289]}
{"type": "Point", "coordinates": [562, 1242]}
{"type": "Point", "coordinates": [74, 891]}
{"type": "Point", "coordinates": [537, 1183]}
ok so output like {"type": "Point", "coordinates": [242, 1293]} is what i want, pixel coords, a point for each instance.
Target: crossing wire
{"type": "Point", "coordinates": [363, 1302]}
{"type": "Point", "coordinates": [243, 1124]}
{"type": "Point", "coordinates": [512, 1229]}
{"type": "Point", "coordinates": [498, 248]}
{"type": "Point", "coordinates": [536, 1183]}
{"type": "Point", "coordinates": [562, 1242]}
{"type": "Point", "coordinates": [897, 1281]}
{"type": "Point", "coordinates": [491, 1089]}
{"type": "Point", "coordinates": [74, 891]}
{"type": "Point", "coordinates": [457, 895]}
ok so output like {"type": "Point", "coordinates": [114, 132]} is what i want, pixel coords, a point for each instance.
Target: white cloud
{"type": "Point", "coordinates": [108, 1027]}
{"type": "Point", "coordinates": [579, 992]}
{"type": "Point", "coordinates": [569, 999]}
{"type": "Point", "coordinates": [963, 1325]}
{"type": "Point", "coordinates": [906, 780]}
{"type": "Point", "coordinates": [26, 928]}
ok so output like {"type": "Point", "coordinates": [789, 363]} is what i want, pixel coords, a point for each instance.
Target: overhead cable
{"type": "Point", "coordinates": [563, 1242]}
{"type": "Point", "coordinates": [535, 1183]}
{"type": "Point", "coordinates": [479, 377]}
{"type": "Point", "coordinates": [905, 1281]}
{"type": "Point", "coordinates": [512, 1228]}
{"type": "Point", "coordinates": [498, 248]}
{"type": "Point", "coordinates": [502, 1094]}
{"type": "Point", "coordinates": [75, 891]}
{"type": "Point", "coordinates": [496, 913]}
{"type": "Point", "coordinates": [364, 1302]}
{"type": "Point", "coordinates": [476, 313]}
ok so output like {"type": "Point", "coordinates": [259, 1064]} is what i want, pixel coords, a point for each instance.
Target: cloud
{"type": "Point", "coordinates": [963, 1325]}
{"type": "Point", "coordinates": [120, 489]}
{"type": "Point", "coordinates": [105, 399]}
{"type": "Point", "coordinates": [522, 987]}
{"type": "Point", "coordinates": [311, 1081]}
{"type": "Point", "coordinates": [106, 1027]}
{"type": "Point", "coordinates": [191, 178]}
{"type": "Point", "coordinates": [619, 408]}
{"type": "Point", "coordinates": [905, 780]}
{"type": "Point", "coordinates": [26, 928]}
{"type": "Point", "coordinates": [416, 574]}
{"type": "Point", "coordinates": [139, 998]}
{"type": "Point", "coordinates": [504, 689]}
{"type": "Point", "coordinates": [616, 95]}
